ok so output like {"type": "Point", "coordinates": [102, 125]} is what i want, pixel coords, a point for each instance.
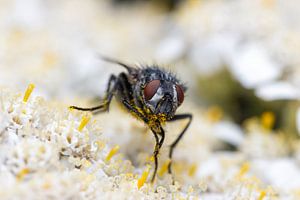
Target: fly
{"type": "Point", "coordinates": [152, 95]}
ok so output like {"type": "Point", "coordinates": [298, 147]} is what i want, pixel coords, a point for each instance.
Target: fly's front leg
{"type": "Point", "coordinates": [158, 144]}
{"type": "Point", "coordinates": [104, 106]}
{"type": "Point", "coordinates": [156, 132]}
{"type": "Point", "coordinates": [134, 111]}
{"type": "Point", "coordinates": [173, 145]}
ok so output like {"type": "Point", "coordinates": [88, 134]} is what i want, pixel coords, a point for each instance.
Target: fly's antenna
{"type": "Point", "coordinates": [114, 61]}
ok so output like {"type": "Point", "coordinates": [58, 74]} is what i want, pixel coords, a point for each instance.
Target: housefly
{"type": "Point", "coordinates": [150, 93]}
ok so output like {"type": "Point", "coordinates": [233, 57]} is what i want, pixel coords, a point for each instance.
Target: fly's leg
{"type": "Point", "coordinates": [134, 111]}
{"type": "Point", "coordinates": [100, 107]}
{"type": "Point", "coordinates": [173, 145]}
{"type": "Point", "coordinates": [104, 106]}
{"type": "Point", "coordinates": [125, 87]}
{"type": "Point", "coordinates": [156, 132]}
{"type": "Point", "coordinates": [158, 144]}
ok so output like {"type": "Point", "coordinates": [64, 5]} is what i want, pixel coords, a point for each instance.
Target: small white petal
{"type": "Point", "coordinates": [30, 13]}
{"type": "Point", "coordinates": [277, 90]}
{"type": "Point", "coordinates": [229, 133]}
{"type": "Point", "coordinates": [281, 173]}
{"type": "Point", "coordinates": [252, 66]}
{"type": "Point", "coordinates": [170, 48]}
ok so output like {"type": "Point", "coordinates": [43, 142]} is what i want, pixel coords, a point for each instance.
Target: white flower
{"type": "Point", "coordinates": [253, 66]}
{"type": "Point", "coordinates": [278, 91]}
{"type": "Point", "coordinates": [229, 132]}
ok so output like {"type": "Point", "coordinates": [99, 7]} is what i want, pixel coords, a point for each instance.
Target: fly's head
{"type": "Point", "coordinates": [162, 93]}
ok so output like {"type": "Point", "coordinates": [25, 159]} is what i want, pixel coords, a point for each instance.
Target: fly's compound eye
{"type": "Point", "coordinates": [150, 89]}
{"type": "Point", "coordinates": [180, 94]}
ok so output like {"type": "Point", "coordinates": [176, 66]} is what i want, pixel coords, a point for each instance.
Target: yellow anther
{"type": "Point", "coordinates": [22, 174]}
{"type": "Point", "coordinates": [50, 59]}
{"type": "Point", "coordinates": [100, 145]}
{"type": "Point", "coordinates": [112, 152]}
{"type": "Point", "coordinates": [178, 168]}
{"type": "Point", "coordinates": [129, 175]}
{"type": "Point", "coordinates": [267, 120]}
{"type": "Point", "coordinates": [152, 158]}
{"type": "Point", "coordinates": [46, 185]}
{"type": "Point", "coordinates": [28, 92]}
{"type": "Point", "coordinates": [193, 3]}
{"type": "Point", "coordinates": [262, 195]}
{"type": "Point", "coordinates": [214, 113]}
{"type": "Point", "coordinates": [86, 163]}
{"type": "Point", "coordinates": [192, 170]}
{"type": "Point", "coordinates": [164, 168]}
{"type": "Point", "coordinates": [190, 190]}
{"type": "Point", "coordinates": [268, 3]}
{"type": "Point", "coordinates": [144, 177]}
{"type": "Point", "coordinates": [42, 149]}
{"type": "Point", "coordinates": [244, 169]}
{"type": "Point", "coordinates": [15, 36]}
{"type": "Point", "coordinates": [84, 120]}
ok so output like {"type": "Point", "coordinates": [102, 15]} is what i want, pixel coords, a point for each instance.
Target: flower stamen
{"type": "Point", "coordinates": [112, 152]}
{"type": "Point", "coordinates": [28, 92]}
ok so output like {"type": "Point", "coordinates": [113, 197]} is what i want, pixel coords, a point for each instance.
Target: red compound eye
{"type": "Point", "coordinates": [151, 89]}
{"type": "Point", "coordinates": [180, 94]}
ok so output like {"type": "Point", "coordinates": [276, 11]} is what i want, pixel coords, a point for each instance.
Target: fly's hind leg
{"type": "Point", "coordinates": [173, 145]}
{"type": "Point", "coordinates": [104, 106]}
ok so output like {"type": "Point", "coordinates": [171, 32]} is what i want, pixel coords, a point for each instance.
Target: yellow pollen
{"type": "Point", "coordinates": [268, 3]}
{"type": "Point", "coordinates": [100, 145]}
{"type": "Point", "coordinates": [50, 59]}
{"type": "Point", "coordinates": [144, 177]}
{"type": "Point", "coordinates": [112, 152]}
{"type": "Point", "coordinates": [84, 120]}
{"type": "Point", "coordinates": [28, 92]}
{"type": "Point", "coordinates": [164, 168]}
{"type": "Point", "coordinates": [178, 168]}
{"type": "Point", "coordinates": [192, 170]}
{"type": "Point", "coordinates": [86, 163]}
{"type": "Point", "coordinates": [193, 3]}
{"type": "Point", "coordinates": [262, 195]}
{"type": "Point", "coordinates": [22, 174]}
{"type": "Point", "coordinates": [214, 113]}
{"type": "Point", "coordinates": [268, 120]}
{"type": "Point", "coordinates": [129, 175]}
{"type": "Point", "coordinates": [46, 185]}
{"type": "Point", "coordinates": [151, 159]}
{"type": "Point", "coordinates": [42, 149]}
{"type": "Point", "coordinates": [244, 169]}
